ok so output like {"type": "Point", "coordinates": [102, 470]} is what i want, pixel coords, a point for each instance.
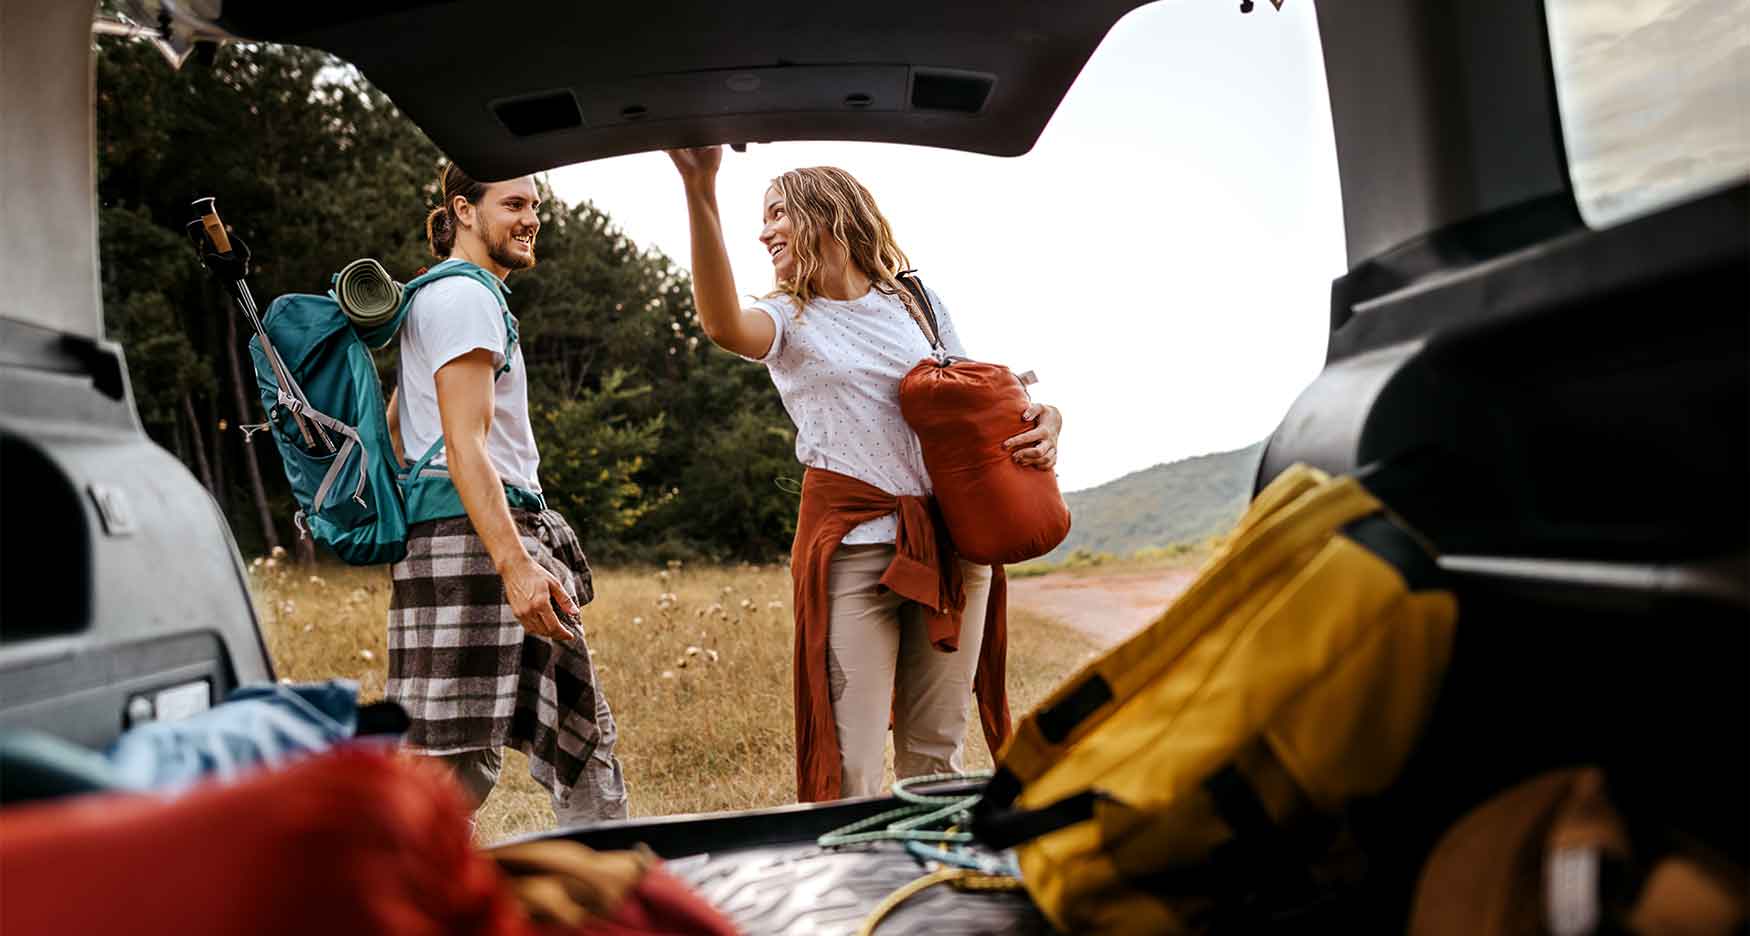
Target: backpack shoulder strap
{"type": "Point", "coordinates": [450, 268]}
{"type": "Point", "coordinates": [909, 279]}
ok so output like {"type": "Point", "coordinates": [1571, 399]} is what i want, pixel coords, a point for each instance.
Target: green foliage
{"type": "Point", "coordinates": [606, 310]}
{"type": "Point", "coordinates": [142, 291]}
{"type": "Point", "coordinates": [653, 442]}
{"type": "Point", "coordinates": [593, 457]}
{"type": "Point", "coordinates": [732, 493]}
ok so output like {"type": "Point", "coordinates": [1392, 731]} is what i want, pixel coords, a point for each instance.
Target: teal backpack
{"type": "Point", "coordinates": [326, 413]}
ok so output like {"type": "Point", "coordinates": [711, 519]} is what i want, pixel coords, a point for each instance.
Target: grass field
{"type": "Point", "coordinates": [695, 662]}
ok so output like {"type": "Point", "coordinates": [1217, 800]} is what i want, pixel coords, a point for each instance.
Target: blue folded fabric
{"type": "Point", "coordinates": [257, 726]}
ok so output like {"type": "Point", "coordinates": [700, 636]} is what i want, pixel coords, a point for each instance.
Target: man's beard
{"type": "Point", "coordinates": [499, 248]}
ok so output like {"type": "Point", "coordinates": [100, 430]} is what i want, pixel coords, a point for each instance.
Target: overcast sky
{"type": "Point", "coordinates": [1162, 258]}
{"type": "Point", "coordinates": [1655, 99]}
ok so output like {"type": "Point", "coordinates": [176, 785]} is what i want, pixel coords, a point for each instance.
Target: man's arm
{"type": "Point", "coordinates": [464, 392]}
{"type": "Point", "coordinates": [392, 413]}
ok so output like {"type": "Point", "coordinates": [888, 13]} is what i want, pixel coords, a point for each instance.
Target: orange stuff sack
{"type": "Point", "coordinates": [997, 512]}
{"type": "Point", "coordinates": [349, 841]}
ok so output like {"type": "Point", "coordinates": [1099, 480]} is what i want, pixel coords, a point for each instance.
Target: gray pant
{"type": "Point", "coordinates": [880, 660]}
{"type": "Point", "coordinates": [600, 793]}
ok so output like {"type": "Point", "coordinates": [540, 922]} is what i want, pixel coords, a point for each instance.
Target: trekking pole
{"type": "Point", "coordinates": [230, 264]}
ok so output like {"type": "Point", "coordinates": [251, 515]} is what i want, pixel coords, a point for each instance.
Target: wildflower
{"type": "Point", "coordinates": [712, 655]}
{"type": "Point", "coordinates": [668, 674]}
{"type": "Point", "coordinates": [692, 651]}
{"type": "Point", "coordinates": [746, 604]}
{"type": "Point", "coordinates": [279, 552]}
{"type": "Point", "coordinates": [367, 655]}
{"type": "Point", "coordinates": [316, 580]}
{"type": "Point", "coordinates": [637, 622]}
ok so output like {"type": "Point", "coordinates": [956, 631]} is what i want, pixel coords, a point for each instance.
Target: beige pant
{"type": "Point", "coordinates": [880, 660]}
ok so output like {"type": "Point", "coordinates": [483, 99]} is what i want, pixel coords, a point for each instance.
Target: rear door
{"type": "Point", "coordinates": [1565, 396]}
{"type": "Point", "coordinates": [122, 596]}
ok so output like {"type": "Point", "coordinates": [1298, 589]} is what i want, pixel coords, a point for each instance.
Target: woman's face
{"type": "Point", "coordinates": [776, 236]}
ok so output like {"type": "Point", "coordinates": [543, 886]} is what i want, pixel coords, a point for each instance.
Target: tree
{"type": "Point", "coordinates": [652, 440]}
{"type": "Point", "coordinates": [602, 306]}
{"type": "Point", "coordinates": [594, 458]}
{"type": "Point", "coordinates": [312, 168]}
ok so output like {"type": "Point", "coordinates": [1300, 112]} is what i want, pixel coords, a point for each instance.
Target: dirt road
{"type": "Point", "coordinates": [1107, 607]}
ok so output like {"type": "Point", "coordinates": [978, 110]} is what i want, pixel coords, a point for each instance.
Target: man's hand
{"type": "Point", "coordinates": [697, 163]}
{"type": "Point", "coordinates": [1037, 447]}
{"type": "Point", "coordinates": [532, 593]}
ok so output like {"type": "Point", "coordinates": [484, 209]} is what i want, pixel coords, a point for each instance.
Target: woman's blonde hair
{"type": "Point", "coordinates": [823, 201]}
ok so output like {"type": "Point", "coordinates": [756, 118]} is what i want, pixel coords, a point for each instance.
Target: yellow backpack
{"type": "Point", "coordinates": [1193, 777]}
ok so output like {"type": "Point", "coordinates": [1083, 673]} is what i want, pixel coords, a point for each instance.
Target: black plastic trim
{"type": "Point", "coordinates": [1377, 534]}
{"type": "Point", "coordinates": [1057, 722]}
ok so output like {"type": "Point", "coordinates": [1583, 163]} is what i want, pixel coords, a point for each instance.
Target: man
{"type": "Point", "coordinates": [484, 648]}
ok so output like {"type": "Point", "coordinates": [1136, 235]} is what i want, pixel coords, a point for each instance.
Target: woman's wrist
{"type": "Point", "coordinates": [701, 186]}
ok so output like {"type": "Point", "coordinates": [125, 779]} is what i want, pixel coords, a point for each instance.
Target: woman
{"type": "Point", "coordinates": [887, 621]}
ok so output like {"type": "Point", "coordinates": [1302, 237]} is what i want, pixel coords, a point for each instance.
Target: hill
{"type": "Point", "coordinates": [1179, 502]}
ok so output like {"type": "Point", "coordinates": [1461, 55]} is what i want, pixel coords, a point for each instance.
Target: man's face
{"type": "Point", "coordinates": [506, 223]}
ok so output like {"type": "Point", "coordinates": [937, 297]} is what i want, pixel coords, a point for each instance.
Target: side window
{"type": "Point", "coordinates": [1655, 100]}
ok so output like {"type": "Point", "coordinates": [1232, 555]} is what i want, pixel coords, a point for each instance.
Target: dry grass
{"type": "Point", "coordinates": [695, 662]}
{"type": "Point", "coordinates": [1083, 564]}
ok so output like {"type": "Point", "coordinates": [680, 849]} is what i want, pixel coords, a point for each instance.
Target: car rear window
{"type": "Point", "coordinates": [1655, 100]}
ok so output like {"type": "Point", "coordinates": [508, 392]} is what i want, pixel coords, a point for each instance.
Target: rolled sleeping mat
{"type": "Point", "coordinates": [366, 293]}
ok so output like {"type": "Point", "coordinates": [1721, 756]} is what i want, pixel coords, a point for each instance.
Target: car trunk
{"type": "Point", "coordinates": [1574, 401]}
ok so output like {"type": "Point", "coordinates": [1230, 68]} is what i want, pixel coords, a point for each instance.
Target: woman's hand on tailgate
{"type": "Point", "coordinates": [1037, 447]}
{"type": "Point", "coordinates": [697, 163]}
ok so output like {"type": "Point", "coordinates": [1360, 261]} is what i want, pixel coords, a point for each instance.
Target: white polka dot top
{"type": "Point", "coordinates": [837, 369]}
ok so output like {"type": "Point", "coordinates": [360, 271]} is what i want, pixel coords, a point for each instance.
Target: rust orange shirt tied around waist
{"type": "Point", "coordinates": [925, 569]}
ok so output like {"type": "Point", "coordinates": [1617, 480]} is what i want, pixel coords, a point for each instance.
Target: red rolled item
{"type": "Point", "coordinates": [997, 512]}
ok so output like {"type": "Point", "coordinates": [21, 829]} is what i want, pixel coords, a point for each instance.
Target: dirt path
{"type": "Point", "coordinates": [1106, 607]}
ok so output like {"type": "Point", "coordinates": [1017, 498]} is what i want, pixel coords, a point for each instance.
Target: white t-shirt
{"type": "Point", "coordinates": [449, 318]}
{"type": "Point", "coordinates": [837, 369]}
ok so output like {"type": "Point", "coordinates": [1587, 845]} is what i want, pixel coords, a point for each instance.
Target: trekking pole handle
{"type": "Point", "coordinates": [209, 218]}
